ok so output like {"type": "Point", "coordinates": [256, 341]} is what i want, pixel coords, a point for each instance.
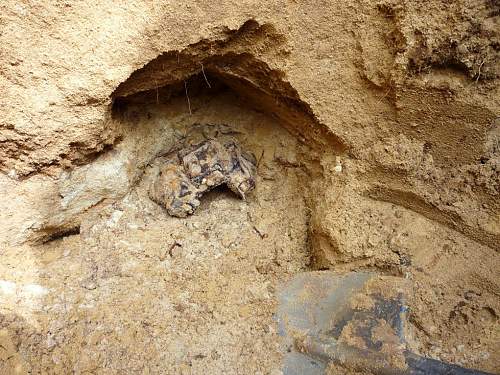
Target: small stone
{"type": "Point", "coordinates": [338, 165]}
{"type": "Point", "coordinates": [176, 251]}
{"type": "Point", "coordinates": [12, 174]}
{"type": "Point", "coordinates": [115, 217]}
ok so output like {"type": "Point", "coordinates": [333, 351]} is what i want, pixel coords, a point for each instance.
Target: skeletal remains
{"type": "Point", "coordinates": [199, 166]}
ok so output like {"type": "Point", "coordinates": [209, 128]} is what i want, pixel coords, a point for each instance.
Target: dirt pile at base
{"type": "Point", "coordinates": [376, 132]}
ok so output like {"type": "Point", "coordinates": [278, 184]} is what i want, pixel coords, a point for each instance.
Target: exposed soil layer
{"type": "Point", "coordinates": [377, 142]}
{"type": "Point", "coordinates": [140, 289]}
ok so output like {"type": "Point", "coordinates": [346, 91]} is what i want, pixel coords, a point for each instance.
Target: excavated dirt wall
{"type": "Point", "coordinates": [377, 134]}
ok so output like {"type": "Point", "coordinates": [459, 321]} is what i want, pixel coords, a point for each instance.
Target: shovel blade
{"type": "Point", "coordinates": [355, 320]}
{"type": "Point", "coordinates": [344, 316]}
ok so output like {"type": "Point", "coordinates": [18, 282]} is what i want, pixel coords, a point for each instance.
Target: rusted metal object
{"type": "Point", "coordinates": [198, 167]}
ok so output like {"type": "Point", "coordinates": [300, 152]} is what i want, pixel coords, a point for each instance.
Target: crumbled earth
{"type": "Point", "coordinates": [141, 291]}
{"type": "Point", "coordinates": [376, 134]}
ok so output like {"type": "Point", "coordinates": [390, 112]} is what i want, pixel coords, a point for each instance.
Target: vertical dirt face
{"type": "Point", "coordinates": [376, 135]}
{"type": "Point", "coordinates": [202, 297]}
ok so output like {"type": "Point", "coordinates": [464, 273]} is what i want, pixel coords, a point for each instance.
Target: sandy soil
{"type": "Point", "coordinates": [138, 290]}
{"type": "Point", "coordinates": [375, 127]}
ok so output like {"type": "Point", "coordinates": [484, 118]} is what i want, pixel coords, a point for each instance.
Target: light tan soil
{"type": "Point", "coordinates": [138, 289]}
{"type": "Point", "coordinates": [375, 126]}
